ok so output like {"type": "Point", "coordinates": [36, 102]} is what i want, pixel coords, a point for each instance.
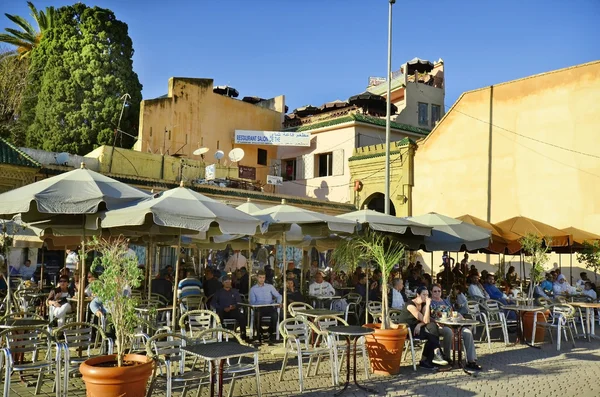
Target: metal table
{"type": "Point", "coordinates": [145, 310]}
{"type": "Point", "coordinates": [318, 300]}
{"type": "Point", "coordinates": [23, 322]}
{"type": "Point", "coordinates": [351, 332]}
{"type": "Point", "coordinates": [217, 353]}
{"type": "Point", "coordinates": [251, 315]}
{"type": "Point", "coordinates": [521, 310]}
{"type": "Point", "coordinates": [314, 313]}
{"type": "Point", "coordinates": [457, 325]}
{"type": "Point", "coordinates": [590, 315]}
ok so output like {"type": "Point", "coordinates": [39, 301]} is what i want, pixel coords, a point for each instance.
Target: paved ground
{"type": "Point", "coordinates": [508, 371]}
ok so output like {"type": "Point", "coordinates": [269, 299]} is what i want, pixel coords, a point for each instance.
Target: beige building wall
{"type": "Point", "coordinates": [191, 115]}
{"type": "Point", "coordinates": [526, 147]}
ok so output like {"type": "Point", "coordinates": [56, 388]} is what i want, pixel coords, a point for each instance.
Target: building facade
{"type": "Point", "coordinates": [191, 116]}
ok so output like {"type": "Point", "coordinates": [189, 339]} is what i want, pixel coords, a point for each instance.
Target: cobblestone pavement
{"type": "Point", "coordinates": [508, 371]}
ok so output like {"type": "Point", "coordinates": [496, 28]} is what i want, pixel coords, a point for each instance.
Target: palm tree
{"type": "Point", "coordinates": [28, 37]}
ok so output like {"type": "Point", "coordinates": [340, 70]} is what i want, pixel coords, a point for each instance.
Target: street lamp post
{"type": "Point", "coordinates": [388, 112]}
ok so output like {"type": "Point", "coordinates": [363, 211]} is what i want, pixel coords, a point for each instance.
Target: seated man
{"type": "Point", "coordinates": [290, 275]}
{"type": "Point", "coordinates": [243, 281]}
{"type": "Point", "coordinates": [26, 270]}
{"type": "Point", "coordinates": [361, 287]}
{"type": "Point", "coordinates": [493, 291]}
{"type": "Point", "coordinates": [264, 294]}
{"type": "Point", "coordinates": [476, 290]}
{"type": "Point", "coordinates": [547, 285]}
{"type": "Point", "coordinates": [190, 285]}
{"type": "Point", "coordinates": [398, 299]}
{"type": "Point", "coordinates": [226, 302]}
{"type": "Point", "coordinates": [211, 285]}
{"type": "Point", "coordinates": [320, 287]}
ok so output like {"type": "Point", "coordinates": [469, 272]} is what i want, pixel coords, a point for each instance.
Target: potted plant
{"type": "Point", "coordinates": [118, 374]}
{"type": "Point", "coordinates": [386, 344]}
{"type": "Point", "coordinates": [535, 249]}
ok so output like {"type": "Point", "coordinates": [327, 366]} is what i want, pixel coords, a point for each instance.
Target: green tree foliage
{"type": "Point", "coordinates": [536, 250]}
{"type": "Point", "coordinates": [590, 255]}
{"type": "Point", "coordinates": [26, 38]}
{"type": "Point", "coordinates": [78, 75]}
{"type": "Point", "coordinates": [120, 271]}
{"type": "Point", "coordinates": [13, 79]}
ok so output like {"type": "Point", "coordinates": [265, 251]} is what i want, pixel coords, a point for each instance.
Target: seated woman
{"type": "Point", "coordinates": [57, 301]}
{"type": "Point", "coordinates": [417, 315]}
{"type": "Point", "coordinates": [440, 306]}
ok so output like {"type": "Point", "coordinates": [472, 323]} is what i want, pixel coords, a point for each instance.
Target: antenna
{"type": "Point", "coordinates": [219, 154]}
{"type": "Point", "coordinates": [236, 155]}
{"type": "Point", "coordinates": [200, 152]}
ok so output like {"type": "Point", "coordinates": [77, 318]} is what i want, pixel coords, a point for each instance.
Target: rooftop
{"type": "Point", "coordinates": [10, 154]}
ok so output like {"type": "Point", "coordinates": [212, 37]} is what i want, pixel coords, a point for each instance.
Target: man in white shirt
{"type": "Point", "coordinates": [476, 290]}
{"type": "Point", "coordinates": [320, 287]}
{"type": "Point", "coordinates": [235, 262]}
{"type": "Point", "coordinates": [397, 298]}
{"type": "Point", "coordinates": [582, 280]}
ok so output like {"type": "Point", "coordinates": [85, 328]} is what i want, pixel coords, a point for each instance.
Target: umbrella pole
{"type": "Point", "coordinates": [147, 267]}
{"type": "Point", "coordinates": [42, 269]}
{"type": "Point", "coordinates": [175, 284]}
{"type": "Point", "coordinates": [284, 278]}
{"type": "Point", "coordinates": [250, 264]}
{"type": "Point", "coordinates": [571, 267]}
{"type": "Point", "coordinates": [152, 255]}
{"type": "Point", "coordinates": [368, 289]}
{"type": "Point", "coordinates": [81, 292]}
{"type": "Point", "coordinates": [560, 262]}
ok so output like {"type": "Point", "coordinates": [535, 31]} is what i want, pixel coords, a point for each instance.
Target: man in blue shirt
{"type": "Point", "coordinates": [264, 294]}
{"type": "Point", "coordinates": [493, 291]}
{"type": "Point", "coordinates": [547, 284]}
{"type": "Point", "coordinates": [226, 302]}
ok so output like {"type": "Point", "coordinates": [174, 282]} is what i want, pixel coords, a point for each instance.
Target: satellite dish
{"type": "Point", "coordinates": [200, 151]}
{"type": "Point", "coordinates": [62, 158]}
{"type": "Point", "coordinates": [236, 155]}
{"type": "Point", "coordinates": [219, 154]}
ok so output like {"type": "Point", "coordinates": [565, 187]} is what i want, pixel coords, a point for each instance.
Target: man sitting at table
{"type": "Point", "coordinates": [211, 284]}
{"type": "Point", "coordinates": [226, 302]}
{"type": "Point", "coordinates": [320, 287]}
{"type": "Point", "coordinates": [476, 290]}
{"type": "Point", "coordinates": [493, 291]}
{"type": "Point", "coordinates": [264, 294]}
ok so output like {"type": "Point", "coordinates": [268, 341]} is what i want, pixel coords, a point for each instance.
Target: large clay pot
{"type": "Point", "coordinates": [127, 381]}
{"type": "Point", "coordinates": [385, 348]}
{"type": "Point", "coordinates": [528, 326]}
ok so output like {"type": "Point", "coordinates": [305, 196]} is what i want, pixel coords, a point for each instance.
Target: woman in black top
{"type": "Point", "coordinates": [416, 314]}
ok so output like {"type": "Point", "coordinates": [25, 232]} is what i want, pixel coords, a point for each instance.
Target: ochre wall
{"type": "Point", "coordinates": [528, 119]}
{"type": "Point", "coordinates": [195, 116]}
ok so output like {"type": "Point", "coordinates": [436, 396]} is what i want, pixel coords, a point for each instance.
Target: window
{"type": "Point", "coordinates": [325, 164]}
{"type": "Point", "coordinates": [435, 114]}
{"type": "Point", "coordinates": [423, 119]}
{"type": "Point", "coordinates": [288, 171]}
{"type": "Point", "coordinates": [262, 157]}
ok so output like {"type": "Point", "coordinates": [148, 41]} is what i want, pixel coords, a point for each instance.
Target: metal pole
{"type": "Point", "coordinates": [175, 284]}
{"type": "Point", "coordinates": [81, 300]}
{"type": "Point", "coordinates": [284, 278]}
{"type": "Point", "coordinates": [42, 268]}
{"type": "Point", "coordinates": [250, 265]}
{"type": "Point", "coordinates": [388, 112]}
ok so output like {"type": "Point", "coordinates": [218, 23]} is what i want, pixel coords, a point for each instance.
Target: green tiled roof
{"type": "Point", "coordinates": [394, 145]}
{"type": "Point", "coordinates": [361, 118]}
{"type": "Point", "coordinates": [10, 154]}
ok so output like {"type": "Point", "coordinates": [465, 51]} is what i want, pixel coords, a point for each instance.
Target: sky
{"type": "Point", "coordinates": [315, 51]}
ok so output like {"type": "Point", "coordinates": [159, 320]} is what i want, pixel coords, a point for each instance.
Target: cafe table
{"type": "Point", "coordinates": [252, 308]}
{"type": "Point", "coordinates": [521, 310]}
{"type": "Point", "coordinates": [457, 325]}
{"type": "Point", "coordinates": [217, 353]}
{"type": "Point", "coordinates": [590, 308]}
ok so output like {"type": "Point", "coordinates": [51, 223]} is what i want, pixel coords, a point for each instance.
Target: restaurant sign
{"type": "Point", "coordinates": [247, 172]}
{"type": "Point", "coordinates": [274, 138]}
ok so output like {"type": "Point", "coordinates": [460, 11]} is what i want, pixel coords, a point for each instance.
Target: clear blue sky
{"type": "Point", "coordinates": [314, 51]}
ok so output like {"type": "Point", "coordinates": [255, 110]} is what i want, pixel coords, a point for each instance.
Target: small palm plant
{"type": "Point", "coordinates": [536, 249]}
{"type": "Point", "coordinates": [385, 252]}
{"type": "Point", "coordinates": [120, 273]}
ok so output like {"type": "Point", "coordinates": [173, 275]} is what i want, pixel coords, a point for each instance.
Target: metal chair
{"type": "Point", "coordinates": [233, 369]}
{"type": "Point", "coordinates": [170, 370]}
{"type": "Point", "coordinates": [354, 306]}
{"type": "Point", "coordinates": [194, 322]}
{"type": "Point", "coordinates": [489, 323]}
{"type": "Point", "coordinates": [561, 318]}
{"type": "Point", "coordinates": [76, 342]}
{"type": "Point", "coordinates": [411, 342]}
{"type": "Point", "coordinates": [34, 341]}
{"type": "Point", "coordinates": [374, 310]}
{"type": "Point", "coordinates": [292, 307]}
{"type": "Point", "coordinates": [296, 333]}
{"type": "Point", "coordinates": [192, 302]}
{"type": "Point", "coordinates": [339, 347]}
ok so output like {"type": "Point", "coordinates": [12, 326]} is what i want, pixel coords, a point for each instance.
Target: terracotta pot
{"type": "Point", "coordinates": [116, 381]}
{"type": "Point", "coordinates": [385, 347]}
{"type": "Point", "coordinates": [528, 326]}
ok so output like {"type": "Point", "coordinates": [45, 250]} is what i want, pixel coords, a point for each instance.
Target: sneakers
{"type": "Point", "coordinates": [439, 360]}
{"type": "Point", "coordinates": [426, 365]}
{"type": "Point", "coordinates": [474, 366]}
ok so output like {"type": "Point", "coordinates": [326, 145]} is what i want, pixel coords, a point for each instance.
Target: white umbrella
{"type": "Point", "coordinates": [450, 234]}
{"type": "Point", "coordinates": [283, 216]}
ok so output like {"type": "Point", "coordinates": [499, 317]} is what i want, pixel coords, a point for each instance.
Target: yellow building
{"type": "Point", "coordinates": [525, 147]}
{"type": "Point", "coordinates": [191, 115]}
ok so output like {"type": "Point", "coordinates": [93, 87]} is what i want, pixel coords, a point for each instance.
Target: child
{"type": "Point", "coordinates": [461, 300]}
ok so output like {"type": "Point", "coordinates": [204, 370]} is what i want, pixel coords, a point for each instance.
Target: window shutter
{"type": "Point", "coordinates": [299, 168]}
{"type": "Point", "coordinates": [275, 168]}
{"type": "Point", "coordinates": [338, 162]}
{"type": "Point", "coordinates": [309, 166]}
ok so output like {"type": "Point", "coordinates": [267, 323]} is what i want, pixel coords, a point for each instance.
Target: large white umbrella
{"type": "Point", "coordinates": [282, 217]}
{"type": "Point", "coordinates": [185, 210]}
{"type": "Point", "coordinates": [75, 193]}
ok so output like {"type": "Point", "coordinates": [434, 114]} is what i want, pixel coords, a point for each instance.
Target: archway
{"type": "Point", "coordinates": [376, 202]}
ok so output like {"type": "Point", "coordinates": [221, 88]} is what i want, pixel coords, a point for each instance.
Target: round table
{"type": "Point", "coordinates": [590, 317]}
{"type": "Point", "coordinates": [457, 325]}
{"type": "Point", "coordinates": [351, 332]}
{"type": "Point", "coordinates": [22, 322]}
{"type": "Point", "coordinates": [521, 310]}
